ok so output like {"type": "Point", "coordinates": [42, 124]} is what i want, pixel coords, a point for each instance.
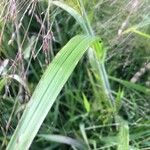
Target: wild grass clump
{"type": "Point", "coordinates": [54, 94]}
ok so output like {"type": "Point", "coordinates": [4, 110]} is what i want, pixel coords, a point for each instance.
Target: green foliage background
{"type": "Point", "coordinates": [80, 111]}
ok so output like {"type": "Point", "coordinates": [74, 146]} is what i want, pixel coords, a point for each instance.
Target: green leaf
{"type": "Point", "coordinates": [96, 58]}
{"type": "Point", "coordinates": [130, 85]}
{"type": "Point", "coordinates": [118, 100]}
{"type": "Point", "coordinates": [74, 4]}
{"type": "Point", "coordinates": [47, 91]}
{"type": "Point", "coordinates": [2, 83]}
{"type": "Point", "coordinates": [77, 16]}
{"type": "Point", "coordinates": [86, 103]}
{"type": "Point", "coordinates": [123, 137]}
{"type": "Point", "coordinates": [83, 132]}
{"type": "Point", "coordinates": [134, 30]}
{"type": "Point", "coordinates": [64, 139]}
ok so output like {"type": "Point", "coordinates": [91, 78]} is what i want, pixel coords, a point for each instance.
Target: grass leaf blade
{"type": "Point", "coordinates": [47, 91]}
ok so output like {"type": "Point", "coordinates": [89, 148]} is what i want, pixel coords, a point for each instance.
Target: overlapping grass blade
{"type": "Point", "coordinates": [96, 58]}
{"type": "Point", "coordinates": [131, 85]}
{"type": "Point", "coordinates": [134, 30]}
{"type": "Point", "coordinates": [123, 137]}
{"type": "Point", "coordinates": [64, 139]}
{"type": "Point", "coordinates": [73, 13]}
{"type": "Point", "coordinates": [47, 90]}
{"type": "Point", "coordinates": [2, 83]}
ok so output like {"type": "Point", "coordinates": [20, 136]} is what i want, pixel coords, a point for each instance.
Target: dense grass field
{"type": "Point", "coordinates": [74, 74]}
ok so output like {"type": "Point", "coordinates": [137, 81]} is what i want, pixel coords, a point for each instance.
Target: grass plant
{"type": "Point", "coordinates": [74, 74]}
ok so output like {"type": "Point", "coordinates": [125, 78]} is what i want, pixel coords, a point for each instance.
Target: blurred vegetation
{"type": "Point", "coordinates": [80, 112]}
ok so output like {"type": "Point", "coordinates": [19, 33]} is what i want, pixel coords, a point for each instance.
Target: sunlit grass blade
{"type": "Point", "coordinates": [86, 103]}
{"type": "Point", "coordinates": [64, 140]}
{"type": "Point", "coordinates": [131, 85]}
{"type": "Point", "coordinates": [47, 91]}
{"type": "Point", "coordinates": [134, 30]}
{"type": "Point", "coordinates": [82, 129]}
{"type": "Point", "coordinates": [2, 83]}
{"type": "Point", "coordinates": [118, 100]}
{"type": "Point", "coordinates": [77, 16]}
{"type": "Point", "coordinates": [123, 137]}
{"type": "Point", "coordinates": [96, 57]}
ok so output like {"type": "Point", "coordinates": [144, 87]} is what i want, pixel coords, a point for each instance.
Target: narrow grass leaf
{"type": "Point", "coordinates": [2, 83]}
{"type": "Point", "coordinates": [47, 91]}
{"type": "Point", "coordinates": [82, 129]}
{"type": "Point", "coordinates": [118, 100]}
{"type": "Point", "coordinates": [77, 16]}
{"type": "Point", "coordinates": [130, 85]}
{"type": "Point", "coordinates": [74, 4]}
{"type": "Point", "coordinates": [134, 30]}
{"type": "Point", "coordinates": [96, 59]}
{"type": "Point", "coordinates": [123, 137]}
{"type": "Point", "coordinates": [64, 140]}
{"type": "Point", "coordinates": [86, 103]}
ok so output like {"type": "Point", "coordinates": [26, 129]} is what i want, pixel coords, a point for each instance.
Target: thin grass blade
{"type": "Point", "coordinates": [64, 140]}
{"type": "Point", "coordinates": [123, 137]}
